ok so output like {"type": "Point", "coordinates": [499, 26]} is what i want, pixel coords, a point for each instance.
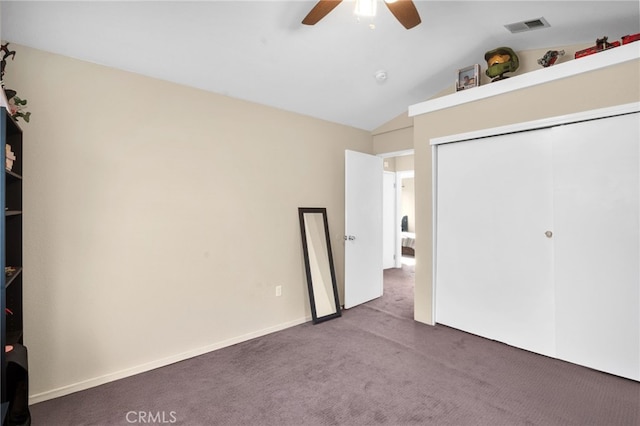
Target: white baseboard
{"type": "Point", "coordinates": [97, 381]}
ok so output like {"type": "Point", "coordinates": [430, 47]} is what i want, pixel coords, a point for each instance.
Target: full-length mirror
{"type": "Point", "coordinates": [318, 260]}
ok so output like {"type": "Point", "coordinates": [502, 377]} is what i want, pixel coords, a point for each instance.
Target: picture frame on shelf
{"type": "Point", "coordinates": [468, 77]}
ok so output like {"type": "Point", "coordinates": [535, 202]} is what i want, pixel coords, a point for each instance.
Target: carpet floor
{"type": "Point", "coordinates": [374, 365]}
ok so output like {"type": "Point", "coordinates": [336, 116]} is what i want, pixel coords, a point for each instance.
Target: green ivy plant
{"type": "Point", "coordinates": [16, 105]}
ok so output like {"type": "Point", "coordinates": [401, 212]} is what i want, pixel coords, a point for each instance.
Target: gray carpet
{"type": "Point", "coordinates": [374, 365]}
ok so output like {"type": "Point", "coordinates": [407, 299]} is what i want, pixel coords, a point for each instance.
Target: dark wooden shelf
{"type": "Point", "coordinates": [13, 174]}
{"type": "Point", "coordinates": [10, 278]}
{"type": "Point", "coordinates": [5, 407]}
{"type": "Point", "coordinates": [14, 337]}
{"type": "Point", "coordinates": [11, 296]}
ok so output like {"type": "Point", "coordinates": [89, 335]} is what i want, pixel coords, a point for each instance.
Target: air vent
{"type": "Point", "coordinates": [532, 24]}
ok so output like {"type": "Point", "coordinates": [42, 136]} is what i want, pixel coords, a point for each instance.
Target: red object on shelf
{"type": "Point", "coordinates": [629, 38]}
{"type": "Point", "coordinates": [601, 44]}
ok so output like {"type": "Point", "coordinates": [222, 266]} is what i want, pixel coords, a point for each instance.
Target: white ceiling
{"type": "Point", "coordinates": [259, 50]}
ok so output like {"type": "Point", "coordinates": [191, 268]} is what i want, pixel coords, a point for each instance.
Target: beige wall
{"type": "Point", "coordinates": [616, 85]}
{"type": "Point", "coordinates": [402, 121]}
{"type": "Point", "coordinates": [400, 163]}
{"type": "Point", "coordinates": [160, 218]}
{"type": "Point", "coordinates": [389, 164]}
{"type": "Point", "coordinates": [404, 163]}
{"type": "Point", "coordinates": [393, 141]}
{"type": "Point", "coordinates": [394, 136]}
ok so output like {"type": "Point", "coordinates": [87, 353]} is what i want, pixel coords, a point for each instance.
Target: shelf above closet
{"type": "Point", "coordinates": [617, 55]}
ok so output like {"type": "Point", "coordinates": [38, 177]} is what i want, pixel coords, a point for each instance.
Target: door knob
{"type": "Point", "coordinates": [351, 237]}
{"type": "Point", "coordinates": [549, 234]}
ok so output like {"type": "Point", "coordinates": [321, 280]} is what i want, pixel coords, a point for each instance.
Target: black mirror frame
{"type": "Point", "coordinates": [305, 248]}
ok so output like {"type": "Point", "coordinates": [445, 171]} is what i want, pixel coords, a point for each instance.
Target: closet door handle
{"type": "Point", "coordinates": [549, 234]}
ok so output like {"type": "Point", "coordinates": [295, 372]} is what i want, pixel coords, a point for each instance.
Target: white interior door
{"type": "Point", "coordinates": [597, 252]}
{"type": "Point", "coordinates": [494, 261]}
{"type": "Point", "coordinates": [390, 224]}
{"type": "Point", "coordinates": [363, 228]}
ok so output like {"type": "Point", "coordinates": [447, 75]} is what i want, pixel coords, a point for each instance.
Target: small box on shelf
{"type": "Point", "coordinates": [10, 157]}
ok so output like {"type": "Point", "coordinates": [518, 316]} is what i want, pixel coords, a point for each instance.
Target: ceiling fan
{"type": "Point", "coordinates": [404, 11]}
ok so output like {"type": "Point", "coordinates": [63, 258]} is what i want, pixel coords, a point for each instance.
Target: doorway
{"type": "Point", "coordinates": [396, 164]}
{"type": "Point", "coordinates": [398, 277]}
{"type": "Point", "coordinates": [406, 212]}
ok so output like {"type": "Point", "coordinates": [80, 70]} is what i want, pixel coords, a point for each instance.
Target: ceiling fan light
{"type": "Point", "coordinates": [366, 7]}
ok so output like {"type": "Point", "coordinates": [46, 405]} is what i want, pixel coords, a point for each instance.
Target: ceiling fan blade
{"type": "Point", "coordinates": [405, 12]}
{"type": "Point", "coordinates": [320, 10]}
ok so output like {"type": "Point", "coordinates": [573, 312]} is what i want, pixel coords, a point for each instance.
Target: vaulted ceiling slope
{"type": "Point", "coordinates": [259, 50]}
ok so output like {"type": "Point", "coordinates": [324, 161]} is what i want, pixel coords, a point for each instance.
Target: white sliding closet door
{"type": "Point", "coordinates": [537, 238]}
{"type": "Point", "coordinates": [494, 261]}
{"type": "Point", "coordinates": [597, 252]}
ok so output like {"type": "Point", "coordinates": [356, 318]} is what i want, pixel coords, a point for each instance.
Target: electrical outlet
{"type": "Point", "coordinates": [278, 290]}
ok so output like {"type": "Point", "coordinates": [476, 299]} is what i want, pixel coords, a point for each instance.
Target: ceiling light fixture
{"type": "Point", "coordinates": [366, 7]}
